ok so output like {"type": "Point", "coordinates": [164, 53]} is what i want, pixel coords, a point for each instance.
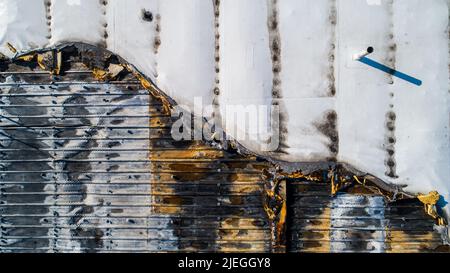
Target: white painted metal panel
{"type": "Point", "coordinates": [363, 93]}
{"type": "Point", "coordinates": [185, 59]}
{"type": "Point", "coordinates": [77, 21]}
{"type": "Point", "coordinates": [245, 65]}
{"type": "Point", "coordinates": [136, 49]}
{"type": "Point", "coordinates": [422, 125]}
{"type": "Point", "coordinates": [22, 25]}
{"type": "Point", "coordinates": [307, 32]}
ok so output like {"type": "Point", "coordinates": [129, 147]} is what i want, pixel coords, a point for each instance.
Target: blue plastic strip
{"type": "Point", "coordinates": [390, 71]}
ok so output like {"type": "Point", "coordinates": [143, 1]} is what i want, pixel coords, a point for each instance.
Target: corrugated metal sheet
{"type": "Point", "coordinates": [89, 166]}
{"type": "Point", "coordinates": [356, 222]}
{"type": "Point", "coordinates": [211, 198]}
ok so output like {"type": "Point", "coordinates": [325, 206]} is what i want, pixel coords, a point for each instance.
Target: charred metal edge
{"type": "Point", "coordinates": [99, 53]}
{"type": "Point", "coordinates": [156, 43]}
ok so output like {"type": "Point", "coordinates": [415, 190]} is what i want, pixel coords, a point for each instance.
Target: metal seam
{"type": "Point", "coordinates": [276, 89]}
{"type": "Point", "coordinates": [48, 15]}
{"type": "Point", "coordinates": [390, 115]}
{"type": "Point", "coordinates": [216, 115]}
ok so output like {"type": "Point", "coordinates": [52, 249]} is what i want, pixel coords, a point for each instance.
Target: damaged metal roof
{"type": "Point", "coordinates": [88, 165]}
{"type": "Point", "coordinates": [296, 55]}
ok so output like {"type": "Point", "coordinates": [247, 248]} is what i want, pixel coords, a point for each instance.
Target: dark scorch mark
{"type": "Point", "coordinates": [157, 40]}
{"type": "Point", "coordinates": [48, 17]}
{"type": "Point", "coordinates": [275, 51]}
{"type": "Point", "coordinates": [390, 115]}
{"type": "Point", "coordinates": [104, 42]}
{"type": "Point", "coordinates": [332, 50]}
{"type": "Point", "coordinates": [147, 15]}
{"type": "Point", "coordinates": [21, 151]}
{"type": "Point", "coordinates": [75, 173]}
{"type": "Point", "coordinates": [216, 89]}
{"type": "Point", "coordinates": [392, 46]}
{"type": "Point", "coordinates": [328, 127]}
{"type": "Point", "coordinates": [390, 145]}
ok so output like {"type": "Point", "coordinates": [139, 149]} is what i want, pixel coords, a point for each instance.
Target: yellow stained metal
{"type": "Point", "coordinates": [321, 231]}
{"type": "Point", "coordinates": [40, 61]}
{"type": "Point", "coordinates": [399, 241]}
{"type": "Point", "coordinates": [430, 200]}
{"type": "Point", "coordinates": [11, 48]}
{"type": "Point", "coordinates": [178, 172]}
{"type": "Point", "coordinates": [27, 58]}
{"type": "Point", "coordinates": [109, 74]}
{"type": "Point", "coordinates": [57, 69]}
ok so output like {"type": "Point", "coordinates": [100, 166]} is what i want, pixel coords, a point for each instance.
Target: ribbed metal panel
{"type": "Point", "coordinates": [212, 198]}
{"type": "Point", "coordinates": [356, 222]}
{"type": "Point", "coordinates": [89, 166]}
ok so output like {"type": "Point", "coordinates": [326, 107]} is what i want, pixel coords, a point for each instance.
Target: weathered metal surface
{"type": "Point", "coordinates": [356, 221]}
{"type": "Point", "coordinates": [213, 198]}
{"type": "Point", "coordinates": [89, 166]}
{"type": "Point", "coordinates": [295, 54]}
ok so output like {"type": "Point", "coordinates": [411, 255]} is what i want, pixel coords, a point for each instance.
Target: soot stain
{"type": "Point", "coordinates": [332, 51]}
{"type": "Point", "coordinates": [328, 127]}
{"type": "Point", "coordinates": [197, 222]}
{"type": "Point", "coordinates": [147, 15]}
{"type": "Point", "coordinates": [34, 172]}
{"type": "Point", "coordinates": [76, 173]}
{"type": "Point", "coordinates": [275, 50]}
{"type": "Point", "coordinates": [157, 39]}
{"type": "Point", "coordinates": [390, 162]}
{"type": "Point", "coordinates": [48, 10]}
{"type": "Point", "coordinates": [104, 42]}
{"type": "Point", "coordinates": [216, 89]}
{"type": "Point", "coordinates": [392, 46]}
